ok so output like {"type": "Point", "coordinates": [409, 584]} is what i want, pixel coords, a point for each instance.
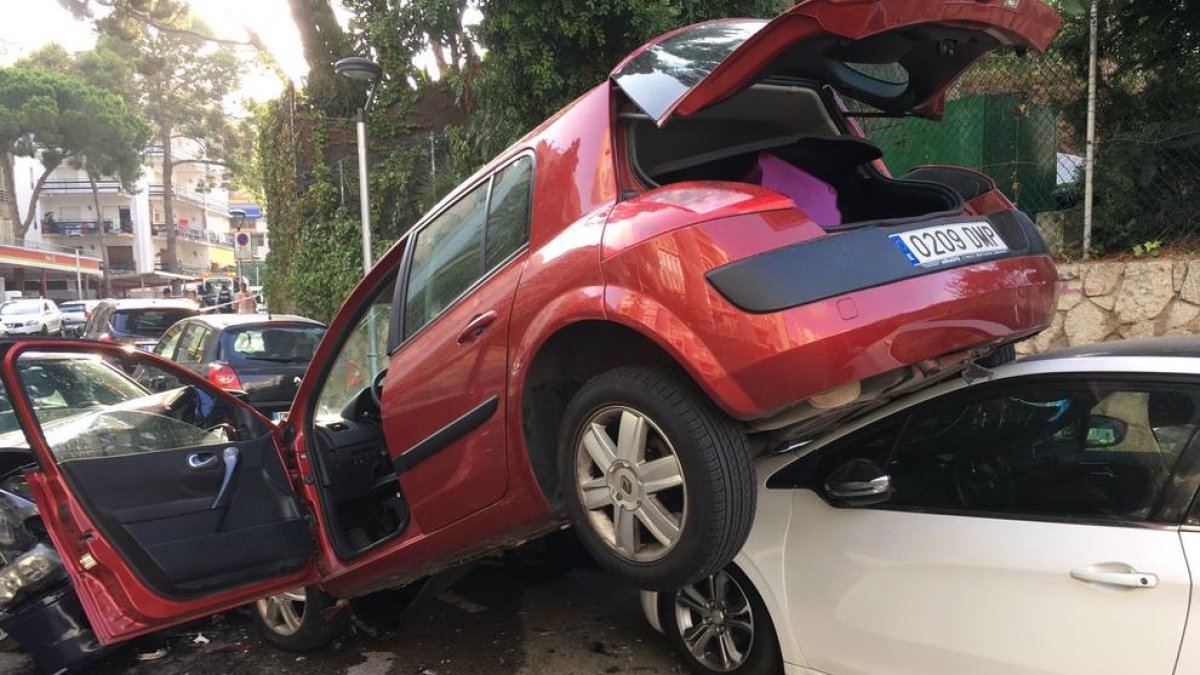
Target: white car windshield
{"type": "Point", "coordinates": [20, 308]}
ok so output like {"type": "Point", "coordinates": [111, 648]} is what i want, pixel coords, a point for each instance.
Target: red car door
{"type": "Point", "coordinates": [443, 399]}
{"type": "Point", "coordinates": [164, 505]}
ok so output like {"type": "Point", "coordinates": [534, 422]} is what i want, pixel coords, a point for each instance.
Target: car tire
{"type": "Point", "coordinates": [686, 520]}
{"type": "Point", "coordinates": [741, 638]}
{"type": "Point", "coordinates": [296, 620]}
{"type": "Point", "coordinates": [1000, 356]}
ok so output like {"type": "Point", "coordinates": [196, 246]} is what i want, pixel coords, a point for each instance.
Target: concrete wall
{"type": "Point", "coordinates": [1106, 300]}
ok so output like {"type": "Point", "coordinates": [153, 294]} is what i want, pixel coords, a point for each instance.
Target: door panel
{"type": "Point", "coordinates": [442, 407]}
{"type": "Point", "coordinates": [166, 506]}
{"type": "Point", "coordinates": [890, 592]}
{"type": "Point", "coordinates": [158, 512]}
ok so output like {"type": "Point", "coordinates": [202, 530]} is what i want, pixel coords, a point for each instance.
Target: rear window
{"type": "Point", "coordinates": [149, 323]}
{"type": "Point", "coordinates": [280, 344]}
{"type": "Point", "coordinates": [71, 306]}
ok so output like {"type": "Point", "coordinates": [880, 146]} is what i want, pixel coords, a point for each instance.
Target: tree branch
{"type": "Point", "coordinates": [167, 28]}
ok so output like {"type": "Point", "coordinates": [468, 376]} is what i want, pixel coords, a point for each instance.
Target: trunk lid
{"type": "Point", "coordinates": [899, 56]}
{"type": "Point", "coordinates": [270, 387]}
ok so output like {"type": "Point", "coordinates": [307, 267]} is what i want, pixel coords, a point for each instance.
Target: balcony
{"type": "Point", "coordinates": [194, 234]}
{"type": "Point", "coordinates": [204, 199]}
{"type": "Point", "coordinates": [84, 228]}
{"type": "Point", "coordinates": [81, 187]}
{"type": "Point", "coordinates": [46, 248]}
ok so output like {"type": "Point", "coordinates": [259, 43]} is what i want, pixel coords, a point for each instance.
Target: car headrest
{"type": "Point", "coordinates": [1170, 409]}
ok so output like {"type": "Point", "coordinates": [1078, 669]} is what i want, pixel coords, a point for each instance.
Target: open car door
{"type": "Point", "coordinates": [166, 498]}
{"type": "Point", "coordinates": [899, 56]}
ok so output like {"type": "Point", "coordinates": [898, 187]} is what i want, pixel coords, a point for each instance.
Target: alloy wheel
{"type": "Point", "coordinates": [630, 483]}
{"type": "Point", "coordinates": [715, 621]}
{"type": "Point", "coordinates": [283, 613]}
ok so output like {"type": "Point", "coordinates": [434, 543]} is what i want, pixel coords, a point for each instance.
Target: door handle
{"type": "Point", "coordinates": [476, 326]}
{"type": "Point", "coordinates": [230, 455]}
{"type": "Point", "coordinates": [1115, 574]}
{"type": "Point", "coordinates": [199, 461]}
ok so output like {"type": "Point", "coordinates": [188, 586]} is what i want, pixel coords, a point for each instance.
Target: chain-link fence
{"type": "Point", "coordinates": [1022, 121]}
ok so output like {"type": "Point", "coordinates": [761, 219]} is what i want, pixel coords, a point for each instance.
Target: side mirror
{"type": "Point", "coordinates": [859, 482]}
{"type": "Point", "coordinates": [1105, 432]}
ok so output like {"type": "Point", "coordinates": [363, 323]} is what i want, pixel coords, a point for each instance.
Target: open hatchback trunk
{"type": "Point", "coordinates": [755, 101]}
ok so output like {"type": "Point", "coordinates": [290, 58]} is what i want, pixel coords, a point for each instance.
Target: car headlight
{"type": "Point", "coordinates": [34, 568]}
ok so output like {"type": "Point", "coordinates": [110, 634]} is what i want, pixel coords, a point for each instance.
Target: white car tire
{"type": "Point", "coordinates": [719, 625]}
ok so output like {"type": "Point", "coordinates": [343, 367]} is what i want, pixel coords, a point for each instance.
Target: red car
{"type": "Point", "coordinates": [696, 261]}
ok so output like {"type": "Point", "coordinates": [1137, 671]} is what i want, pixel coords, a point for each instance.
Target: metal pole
{"type": "Point", "coordinates": [363, 196]}
{"type": "Point", "coordinates": [1089, 167]}
{"type": "Point", "coordinates": [365, 207]}
{"type": "Point", "coordinates": [79, 274]}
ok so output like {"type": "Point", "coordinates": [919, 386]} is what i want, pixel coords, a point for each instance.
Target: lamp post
{"type": "Point", "coordinates": [366, 70]}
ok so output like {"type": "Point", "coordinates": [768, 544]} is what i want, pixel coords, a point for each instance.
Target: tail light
{"type": "Point", "coordinates": [104, 337]}
{"type": "Point", "coordinates": [223, 376]}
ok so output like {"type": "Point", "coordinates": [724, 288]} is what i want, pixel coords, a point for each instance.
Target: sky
{"type": "Point", "coordinates": [29, 24]}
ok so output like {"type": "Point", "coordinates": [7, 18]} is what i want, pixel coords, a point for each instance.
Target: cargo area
{"type": "Point", "coordinates": [785, 138]}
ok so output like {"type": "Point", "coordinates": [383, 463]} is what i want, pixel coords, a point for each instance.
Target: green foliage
{"type": "Point", "coordinates": [1148, 248]}
{"type": "Point", "coordinates": [1148, 144]}
{"type": "Point", "coordinates": [57, 119]}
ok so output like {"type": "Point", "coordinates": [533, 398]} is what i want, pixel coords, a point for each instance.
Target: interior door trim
{"type": "Point", "coordinates": [447, 435]}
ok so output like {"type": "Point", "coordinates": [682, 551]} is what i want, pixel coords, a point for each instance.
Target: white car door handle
{"type": "Point", "coordinates": [1115, 574]}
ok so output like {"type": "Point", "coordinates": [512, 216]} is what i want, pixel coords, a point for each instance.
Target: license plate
{"type": "Point", "coordinates": [949, 243]}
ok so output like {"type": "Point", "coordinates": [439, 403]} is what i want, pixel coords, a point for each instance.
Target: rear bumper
{"type": "Point", "coordinates": [853, 260]}
{"type": "Point", "coordinates": [804, 322]}
{"type": "Point", "coordinates": [854, 336]}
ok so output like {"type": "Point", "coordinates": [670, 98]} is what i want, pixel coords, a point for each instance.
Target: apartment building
{"type": "Point", "coordinates": [131, 223]}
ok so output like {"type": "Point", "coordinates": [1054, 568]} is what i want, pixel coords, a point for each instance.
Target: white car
{"type": "Point", "coordinates": [1038, 518]}
{"type": "Point", "coordinates": [75, 314]}
{"type": "Point", "coordinates": [31, 317]}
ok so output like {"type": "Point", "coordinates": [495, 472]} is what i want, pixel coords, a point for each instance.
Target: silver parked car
{"type": "Point", "coordinates": [1037, 518]}
{"type": "Point", "coordinates": [75, 314]}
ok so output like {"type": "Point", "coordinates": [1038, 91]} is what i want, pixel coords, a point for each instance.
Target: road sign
{"type": "Point", "coordinates": [243, 246]}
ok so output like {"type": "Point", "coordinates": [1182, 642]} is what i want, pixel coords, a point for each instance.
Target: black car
{"type": "Point", "coordinates": [137, 322]}
{"type": "Point", "coordinates": [264, 356]}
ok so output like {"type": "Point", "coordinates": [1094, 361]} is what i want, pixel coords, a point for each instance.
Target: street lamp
{"type": "Point", "coordinates": [365, 70]}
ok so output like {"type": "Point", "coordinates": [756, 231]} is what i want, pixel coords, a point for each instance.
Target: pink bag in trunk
{"type": "Point", "coordinates": [810, 194]}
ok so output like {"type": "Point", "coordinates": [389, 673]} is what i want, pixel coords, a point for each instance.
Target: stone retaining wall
{"type": "Point", "coordinates": [1114, 300]}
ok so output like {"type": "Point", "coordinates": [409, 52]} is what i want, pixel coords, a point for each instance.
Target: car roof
{"type": "Point", "coordinates": [1166, 356]}
{"type": "Point", "coordinates": [1187, 346]}
{"type": "Point", "coordinates": [221, 321]}
{"type": "Point", "coordinates": [152, 303]}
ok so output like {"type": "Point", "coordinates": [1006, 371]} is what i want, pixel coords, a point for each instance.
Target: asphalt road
{"type": "Point", "coordinates": [494, 621]}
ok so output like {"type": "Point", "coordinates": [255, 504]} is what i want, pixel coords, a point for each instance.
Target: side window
{"type": "Point", "coordinates": [166, 346]}
{"type": "Point", "coordinates": [359, 359]}
{"type": "Point", "coordinates": [1095, 450]}
{"type": "Point", "coordinates": [508, 212]}
{"type": "Point", "coordinates": [88, 406]}
{"type": "Point", "coordinates": [447, 258]}
{"type": "Point", "coordinates": [191, 345]}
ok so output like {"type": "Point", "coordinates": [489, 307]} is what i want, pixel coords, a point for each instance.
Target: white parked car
{"type": "Point", "coordinates": [31, 317]}
{"type": "Point", "coordinates": [75, 314]}
{"type": "Point", "coordinates": [1039, 519]}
